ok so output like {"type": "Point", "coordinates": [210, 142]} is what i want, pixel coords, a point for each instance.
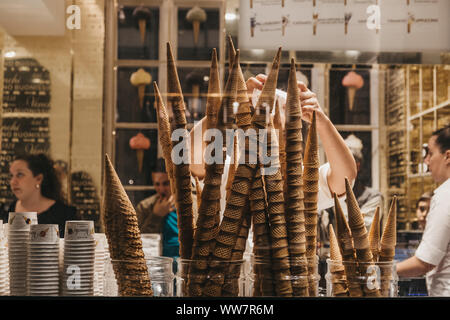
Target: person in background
{"type": "Point", "coordinates": [422, 208]}
{"type": "Point", "coordinates": [157, 213]}
{"type": "Point", "coordinates": [36, 187]}
{"type": "Point", "coordinates": [432, 257]}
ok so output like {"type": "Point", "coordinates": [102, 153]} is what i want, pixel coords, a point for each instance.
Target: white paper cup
{"type": "Point", "coordinates": [44, 233]}
{"type": "Point", "coordinates": [21, 220]}
{"type": "Point", "coordinates": [81, 230]}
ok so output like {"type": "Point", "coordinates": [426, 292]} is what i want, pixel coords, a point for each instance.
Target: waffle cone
{"type": "Point", "coordinates": [311, 157]}
{"type": "Point", "coordinates": [374, 235]}
{"type": "Point", "coordinates": [119, 214]}
{"type": "Point", "coordinates": [335, 253]}
{"type": "Point", "coordinates": [345, 242]}
{"type": "Point", "coordinates": [198, 191]}
{"type": "Point", "coordinates": [389, 238]}
{"type": "Point", "coordinates": [267, 97]}
{"type": "Point", "coordinates": [231, 52]}
{"type": "Point", "coordinates": [182, 175]}
{"type": "Point", "coordinates": [214, 93]}
{"type": "Point", "coordinates": [164, 135]}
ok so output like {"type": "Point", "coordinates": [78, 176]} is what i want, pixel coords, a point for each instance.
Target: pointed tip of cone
{"type": "Point", "coordinates": [389, 237]}
{"type": "Point", "coordinates": [374, 232]}
{"type": "Point", "coordinates": [335, 253]}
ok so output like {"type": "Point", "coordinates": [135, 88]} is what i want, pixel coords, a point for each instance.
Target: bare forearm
{"type": "Point", "coordinates": [413, 267]}
{"type": "Point", "coordinates": [342, 163]}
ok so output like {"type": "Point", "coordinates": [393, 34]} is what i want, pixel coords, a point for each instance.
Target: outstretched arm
{"type": "Point", "coordinates": [342, 163]}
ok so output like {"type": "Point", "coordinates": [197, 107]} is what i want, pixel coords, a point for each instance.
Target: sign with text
{"type": "Point", "coordinates": [365, 25]}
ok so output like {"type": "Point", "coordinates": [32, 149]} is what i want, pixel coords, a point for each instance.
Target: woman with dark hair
{"type": "Point", "coordinates": [36, 186]}
{"type": "Point", "coordinates": [432, 257]}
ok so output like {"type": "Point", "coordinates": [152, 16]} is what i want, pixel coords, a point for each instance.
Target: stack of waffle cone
{"type": "Point", "coordinates": [229, 230]}
{"type": "Point", "coordinates": [345, 242]}
{"type": "Point", "coordinates": [387, 247]}
{"type": "Point", "coordinates": [310, 190]}
{"type": "Point", "coordinates": [281, 265]}
{"type": "Point", "coordinates": [360, 237]}
{"type": "Point", "coordinates": [271, 189]}
{"type": "Point", "coordinates": [233, 166]}
{"type": "Point", "coordinates": [164, 135]}
{"type": "Point", "coordinates": [209, 205]}
{"type": "Point", "coordinates": [374, 235]}
{"type": "Point", "coordinates": [244, 113]}
{"type": "Point", "coordinates": [295, 217]}
{"type": "Point", "coordinates": [263, 278]}
{"type": "Point", "coordinates": [339, 285]}
{"type": "Point", "coordinates": [281, 134]}
{"type": "Point", "coordinates": [182, 173]}
{"type": "Point", "coordinates": [124, 238]}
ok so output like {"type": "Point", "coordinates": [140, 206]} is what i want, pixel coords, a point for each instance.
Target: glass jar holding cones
{"type": "Point", "coordinates": [159, 270]}
{"type": "Point", "coordinates": [361, 279]}
{"type": "Point", "coordinates": [288, 277]}
{"type": "Point", "coordinates": [213, 278]}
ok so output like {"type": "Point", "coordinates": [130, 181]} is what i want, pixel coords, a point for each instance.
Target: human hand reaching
{"type": "Point", "coordinates": [163, 206]}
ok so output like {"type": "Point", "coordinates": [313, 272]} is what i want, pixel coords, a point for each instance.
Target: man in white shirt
{"type": "Point", "coordinates": [432, 257]}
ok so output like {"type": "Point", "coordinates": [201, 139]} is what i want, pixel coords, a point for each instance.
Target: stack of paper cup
{"type": "Point", "coordinates": [43, 260]}
{"type": "Point", "coordinates": [99, 267]}
{"type": "Point", "coordinates": [79, 258]}
{"type": "Point", "coordinates": [3, 263]}
{"type": "Point", "coordinates": [19, 224]}
{"type": "Point", "coordinates": [5, 236]}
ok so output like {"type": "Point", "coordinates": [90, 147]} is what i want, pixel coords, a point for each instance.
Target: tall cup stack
{"type": "Point", "coordinates": [43, 260]}
{"type": "Point", "coordinates": [99, 264]}
{"type": "Point", "coordinates": [19, 224]}
{"type": "Point", "coordinates": [79, 259]}
{"type": "Point", "coordinates": [3, 262]}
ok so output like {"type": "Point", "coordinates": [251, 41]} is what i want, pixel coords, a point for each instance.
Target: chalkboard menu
{"type": "Point", "coordinates": [20, 135]}
{"type": "Point", "coordinates": [25, 115]}
{"type": "Point", "coordinates": [26, 86]}
{"type": "Point", "coordinates": [85, 198]}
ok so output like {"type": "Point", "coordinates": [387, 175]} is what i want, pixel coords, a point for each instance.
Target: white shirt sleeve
{"type": "Point", "coordinates": [436, 236]}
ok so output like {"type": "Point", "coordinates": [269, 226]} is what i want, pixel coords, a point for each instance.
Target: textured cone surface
{"type": "Point", "coordinates": [182, 175]}
{"type": "Point", "coordinates": [387, 247]}
{"type": "Point", "coordinates": [295, 216]}
{"type": "Point", "coordinates": [229, 230]}
{"type": "Point", "coordinates": [164, 135]}
{"type": "Point", "coordinates": [120, 218]}
{"type": "Point", "coordinates": [262, 269]}
{"type": "Point", "coordinates": [310, 191]}
{"type": "Point", "coordinates": [345, 242]}
{"type": "Point", "coordinates": [339, 284]}
{"type": "Point", "coordinates": [214, 93]}
{"type": "Point", "coordinates": [374, 235]}
{"type": "Point", "coordinates": [359, 235]}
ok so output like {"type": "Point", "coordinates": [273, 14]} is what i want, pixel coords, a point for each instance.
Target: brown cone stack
{"type": "Point", "coordinates": [360, 237]}
{"type": "Point", "coordinates": [273, 180]}
{"type": "Point", "coordinates": [210, 203]}
{"type": "Point", "coordinates": [182, 173]}
{"type": "Point", "coordinates": [233, 166]}
{"type": "Point", "coordinates": [295, 217]}
{"type": "Point", "coordinates": [345, 242]}
{"type": "Point", "coordinates": [310, 190]}
{"type": "Point", "coordinates": [214, 93]}
{"type": "Point", "coordinates": [124, 238]}
{"type": "Point", "coordinates": [262, 245]}
{"type": "Point", "coordinates": [339, 285]}
{"type": "Point", "coordinates": [374, 235]}
{"type": "Point", "coordinates": [387, 247]}
{"type": "Point", "coordinates": [281, 134]}
{"type": "Point", "coordinates": [228, 233]}
{"type": "Point", "coordinates": [164, 135]}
